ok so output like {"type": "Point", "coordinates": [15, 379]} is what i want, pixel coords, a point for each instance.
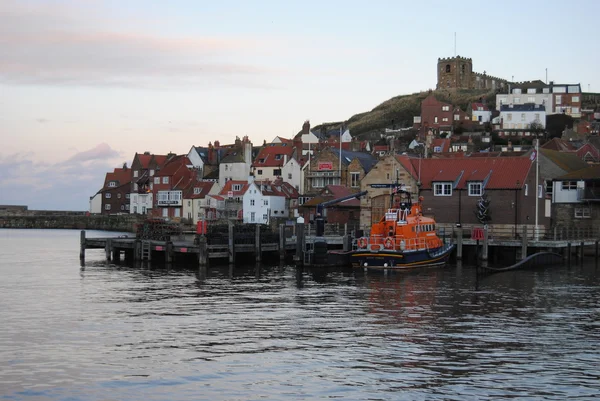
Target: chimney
{"type": "Point", "coordinates": [284, 160]}
{"type": "Point", "coordinates": [306, 127]}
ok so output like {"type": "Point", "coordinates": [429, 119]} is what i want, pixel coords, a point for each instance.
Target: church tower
{"type": "Point", "coordinates": [454, 73]}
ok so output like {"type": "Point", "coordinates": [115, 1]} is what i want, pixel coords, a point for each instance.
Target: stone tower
{"type": "Point", "coordinates": [454, 73]}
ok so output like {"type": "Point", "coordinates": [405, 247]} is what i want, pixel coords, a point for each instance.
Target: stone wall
{"type": "Point", "coordinates": [125, 222]}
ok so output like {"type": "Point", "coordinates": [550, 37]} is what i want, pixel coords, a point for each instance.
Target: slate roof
{"type": "Point", "coordinates": [568, 161]}
{"type": "Point", "coordinates": [495, 172]}
{"type": "Point", "coordinates": [523, 107]}
{"type": "Point", "coordinates": [331, 192]}
{"type": "Point", "coordinates": [588, 173]}
{"type": "Point", "coordinates": [558, 144]}
{"type": "Point", "coordinates": [366, 160]}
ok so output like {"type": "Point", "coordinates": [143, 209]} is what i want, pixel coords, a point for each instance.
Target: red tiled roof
{"type": "Point", "coordinates": [173, 165]}
{"type": "Point", "coordinates": [144, 159]}
{"type": "Point", "coordinates": [476, 106]}
{"type": "Point", "coordinates": [121, 175]}
{"type": "Point", "coordinates": [269, 154]}
{"type": "Point", "coordinates": [203, 186]}
{"type": "Point", "coordinates": [229, 187]}
{"type": "Point", "coordinates": [277, 188]}
{"type": "Point", "coordinates": [499, 172]}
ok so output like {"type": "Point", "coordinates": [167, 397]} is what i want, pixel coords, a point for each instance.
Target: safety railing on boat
{"type": "Point", "coordinates": [380, 242]}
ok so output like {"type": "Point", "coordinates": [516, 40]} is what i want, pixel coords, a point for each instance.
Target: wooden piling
{"type": "Point", "coordinates": [231, 243]}
{"type": "Point", "coordinates": [116, 254]}
{"type": "Point", "coordinates": [581, 254]}
{"type": "Point", "coordinates": [524, 243]}
{"type": "Point", "coordinates": [569, 254]}
{"type": "Point", "coordinates": [108, 249]}
{"type": "Point", "coordinates": [168, 252]}
{"type": "Point", "coordinates": [202, 251]}
{"type": "Point", "coordinates": [596, 254]}
{"type": "Point", "coordinates": [299, 244]}
{"type": "Point", "coordinates": [82, 245]}
{"type": "Point", "coordinates": [281, 242]}
{"type": "Point", "coordinates": [257, 249]}
{"type": "Point", "coordinates": [459, 243]}
{"type": "Point", "coordinates": [484, 249]}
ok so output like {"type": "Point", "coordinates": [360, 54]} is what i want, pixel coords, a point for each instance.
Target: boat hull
{"type": "Point", "coordinates": [391, 259]}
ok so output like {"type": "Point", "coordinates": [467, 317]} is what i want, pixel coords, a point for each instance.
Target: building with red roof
{"type": "Point", "coordinates": [143, 168]}
{"type": "Point", "coordinates": [168, 185]}
{"type": "Point", "coordinates": [113, 198]}
{"type": "Point", "coordinates": [347, 212]}
{"type": "Point", "coordinates": [197, 205]}
{"type": "Point", "coordinates": [268, 165]}
{"type": "Point", "coordinates": [265, 200]}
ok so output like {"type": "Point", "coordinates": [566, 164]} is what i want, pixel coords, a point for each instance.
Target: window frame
{"type": "Point", "coordinates": [442, 189]}
{"type": "Point", "coordinates": [472, 185]}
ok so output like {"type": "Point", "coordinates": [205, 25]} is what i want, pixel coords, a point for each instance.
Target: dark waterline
{"type": "Point", "coordinates": [272, 332]}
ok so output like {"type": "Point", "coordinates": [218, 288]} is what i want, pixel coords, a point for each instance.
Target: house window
{"type": "Point", "coordinates": [354, 180]}
{"type": "Point", "coordinates": [122, 207]}
{"type": "Point", "coordinates": [517, 100]}
{"type": "Point", "coordinates": [277, 157]}
{"type": "Point", "coordinates": [437, 149]}
{"type": "Point", "coordinates": [265, 217]}
{"type": "Point", "coordinates": [226, 167]}
{"type": "Point", "coordinates": [575, 99]}
{"type": "Point", "coordinates": [126, 207]}
{"type": "Point", "coordinates": [251, 202]}
{"type": "Point", "coordinates": [196, 190]}
{"type": "Point", "coordinates": [277, 172]}
{"type": "Point", "coordinates": [261, 160]}
{"type": "Point", "coordinates": [558, 99]}
{"type": "Point", "coordinates": [289, 176]}
{"type": "Point", "coordinates": [151, 186]}
{"type": "Point", "coordinates": [107, 207]}
{"type": "Point", "coordinates": [112, 184]}
{"type": "Point", "coordinates": [445, 119]}
{"type": "Point", "coordinates": [445, 108]}
{"type": "Point", "coordinates": [165, 180]}
{"type": "Point", "coordinates": [526, 189]}
{"type": "Point", "coordinates": [456, 117]}
{"type": "Point", "coordinates": [548, 188]}
{"type": "Point", "coordinates": [569, 185]}
{"type": "Point", "coordinates": [447, 67]}
{"type": "Point", "coordinates": [522, 116]}
{"type": "Point", "coordinates": [127, 196]}
{"type": "Point", "coordinates": [531, 99]}
{"type": "Point", "coordinates": [157, 180]}
{"type": "Point", "coordinates": [236, 187]}
{"type": "Point", "coordinates": [266, 202]}
{"type": "Point", "coordinates": [135, 209]}
{"type": "Point", "coordinates": [252, 216]}
{"type": "Point", "coordinates": [435, 119]}
{"type": "Point", "coordinates": [582, 213]}
{"type": "Point", "coordinates": [135, 173]}
{"type": "Point", "coordinates": [442, 189]}
{"type": "Point", "coordinates": [107, 195]}
{"type": "Point", "coordinates": [118, 196]}
{"type": "Point", "coordinates": [151, 173]}
{"type": "Point", "coordinates": [259, 172]}
{"type": "Point", "coordinates": [475, 188]}
{"type": "Point", "coordinates": [509, 117]}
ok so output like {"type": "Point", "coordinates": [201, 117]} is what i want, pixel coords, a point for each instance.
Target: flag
{"type": "Point", "coordinates": [533, 155]}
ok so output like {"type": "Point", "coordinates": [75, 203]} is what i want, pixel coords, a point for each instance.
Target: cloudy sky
{"type": "Point", "coordinates": [85, 84]}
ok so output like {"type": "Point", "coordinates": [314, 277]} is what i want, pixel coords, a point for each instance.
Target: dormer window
{"type": "Point", "coordinates": [475, 188]}
{"type": "Point", "coordinates": [112, 184]}
{"type": "Point", "coordinates": [261, 160]}
{"type": "Point", "coordinates": [196, 190]}
{"type": "Point", "coordinates": [277, 157]}
{"type": "Point", "coordinates": [236, 187]}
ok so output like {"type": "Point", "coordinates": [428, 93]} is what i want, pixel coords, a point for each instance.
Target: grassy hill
{"type": "Point", "coordinates": [400, 110]}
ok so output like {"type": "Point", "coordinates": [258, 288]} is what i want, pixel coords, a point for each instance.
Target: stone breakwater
{"type": "Point", "coordinates": [71, 220]}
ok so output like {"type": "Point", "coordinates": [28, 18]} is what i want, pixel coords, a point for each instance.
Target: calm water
{"type": "Point", "coordinates": [110, 332]}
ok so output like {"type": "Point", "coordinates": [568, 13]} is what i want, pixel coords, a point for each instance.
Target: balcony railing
{"type": "Point", "coordinates": [588, 194]}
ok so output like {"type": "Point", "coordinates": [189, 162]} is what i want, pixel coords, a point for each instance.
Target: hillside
{"type": "Point", "coordinates": [400, 110]}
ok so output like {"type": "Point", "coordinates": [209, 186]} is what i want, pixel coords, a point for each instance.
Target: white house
{"type": "Point", "coordinates": [96, 203]}
{"type": "Point", "coordinates": [140, 203]}
{"type": "Point", "coordinates": [196, 201]}
{"type": "Point", "coordinates": [266, 199]}
{"type": "Point", "coordinates": [521, 116]}
{"type": "Point", "coordinates": [292, 173]}
{"type": "Point", "coordinates": [480, 113]}
{"type": "Point", "coordinates": [268, 165]}
{"type": "Point", "coordinates": [236, 165]}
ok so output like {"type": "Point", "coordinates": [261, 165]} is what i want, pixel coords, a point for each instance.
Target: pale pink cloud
{"type": "Point", "coordinates": [45, 45]}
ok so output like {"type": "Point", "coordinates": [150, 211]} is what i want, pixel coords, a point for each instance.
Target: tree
{"type": "Point", "coordinates": [482, 211]}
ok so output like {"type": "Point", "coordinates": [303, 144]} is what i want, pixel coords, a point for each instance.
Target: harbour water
{"type": "Point", "coordinates": [115, 332]}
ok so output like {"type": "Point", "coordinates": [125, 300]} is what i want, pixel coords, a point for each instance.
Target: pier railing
{"type": "Point", "coordinates": [532, 233]}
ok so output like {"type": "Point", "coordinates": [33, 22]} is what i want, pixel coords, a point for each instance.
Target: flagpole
{"type": "Point", "coordinates": [537, 191]}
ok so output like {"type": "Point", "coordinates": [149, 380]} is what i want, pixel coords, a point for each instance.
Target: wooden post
{"type": "Point", "coordinates": [596, 258]}
{"type": "Point", "coordinates": [524, 243]}
{"type": "Point", "coordinates": [168, 252]}
{"type": "Point", "coordinates": [137, 250]}
{"type": "Point", "coordinates": [108, 248]}
{"type": "Point", "coordinates": [581, 254]}
{"type": "Point", "coordinates": [299, 244]}
{"type": "Point", "coordinates": [347, 243]}
{"type": "Point", "coordinates": [459, 243]}
{"type": "Point", "coordinates": [116, 254]}
{"type": "Point", "coordinates": [282, 242]}
{"type": "Point", "coordinates": [569, 254]}
{"type": "Point", "coordinates": [484, 250]}
{"type": "Point", "coordinates": [231, 243]}
{"type": "Point", "coordinates": [202, 251]}
{"type": "Point", "coordinates": [82, 245]}
{"type": "Point", "coordinates": [257, 244]}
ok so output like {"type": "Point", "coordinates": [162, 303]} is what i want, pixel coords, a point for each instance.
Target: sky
{"type": "Point", "coordinates": [86, 84]}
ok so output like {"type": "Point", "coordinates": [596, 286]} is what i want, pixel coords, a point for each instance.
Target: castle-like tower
{"type": "Point", "coordinates": [457, 73]}
{"type": "Point", "coordinates": [453, 73]}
